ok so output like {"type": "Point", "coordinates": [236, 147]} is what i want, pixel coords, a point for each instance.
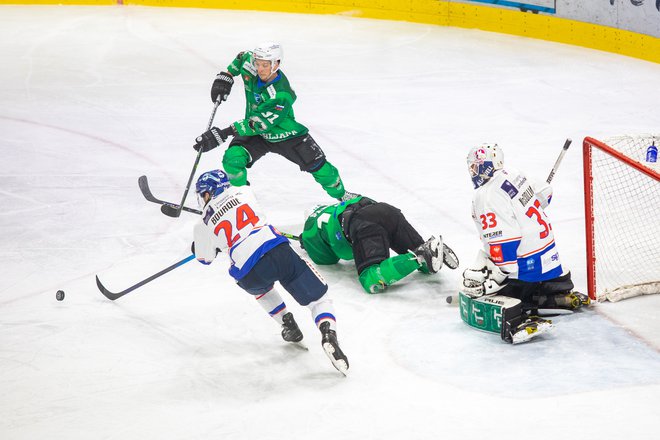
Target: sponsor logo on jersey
{"type": "Point", "coordinates": [491, 235]}
{"type": "Point", "coordinates": [526, 196]}
{"type": "Point", "coordinates": [519, 181]}
{"type": "Point", "coordinates": [271, 91]}
{"type": "Point", "coordinates": [509, 188]}
{"type": "Point", "coordinates": [529, 262]}
{"type": "Point", "coordinates": [496, 253]}
{"type": "Point", "coordinates": [247, 65]}
{"type": "Point", "coordinates": [257, 98]}
{"type": "Point", "coordinates": [223, 210]}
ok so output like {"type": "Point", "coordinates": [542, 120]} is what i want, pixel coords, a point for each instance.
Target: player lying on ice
{"type": "Point", "coordinates": [232, 222]}
{"type": "Point", "coordinates": [365, 230]}
{"type": "Point", "coordinates": [269, 124]}
{"type": "Point", "coordinates": [518, 270]}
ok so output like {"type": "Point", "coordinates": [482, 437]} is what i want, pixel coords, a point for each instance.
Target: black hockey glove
{"type": "Point", "coordinates": [212, 138]}
{"type": "Point", "coordinates": [221, 86]}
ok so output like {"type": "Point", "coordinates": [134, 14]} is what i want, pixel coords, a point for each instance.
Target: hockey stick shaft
{"type": "Point", "coordinates": [559, 159]}
{"type": "Point", "coordinates": [175, 210]}
{"type": "Point", "coordinates": [113, 296]}
{"type": "Point", "coordinates": [290, 236]}
{"type": "Point", "coordinates": [143, 183]}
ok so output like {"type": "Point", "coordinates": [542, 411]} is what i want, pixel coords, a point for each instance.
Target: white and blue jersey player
{"type": "Point", "coordinates": [232, 222]}
{"type": "Point", "coordinates": [519, 258]}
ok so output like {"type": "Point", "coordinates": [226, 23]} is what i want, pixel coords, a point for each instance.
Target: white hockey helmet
{"type": "Point", "coordinates": [483, 161]}
{"type": "Point", "coordinates": [269, 51]}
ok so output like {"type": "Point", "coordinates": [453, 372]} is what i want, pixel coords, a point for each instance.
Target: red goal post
{"type": "Point", "coordinates": [622, 216]}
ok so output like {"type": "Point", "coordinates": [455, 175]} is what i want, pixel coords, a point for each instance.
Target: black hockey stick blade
{"type": "Point", "coordinates": [143, 183]}
{"type": "Point", "coordinates": [171, 210]}
{"type": "Point", "coordinates": [113, 296]}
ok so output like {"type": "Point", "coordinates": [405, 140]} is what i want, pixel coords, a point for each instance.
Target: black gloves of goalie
{"type": "Point", "coordinates": [212, 138]}
{"type": "Point", "coordinates": [221, 86]}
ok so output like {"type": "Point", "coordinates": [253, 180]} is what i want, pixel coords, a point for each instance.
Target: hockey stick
{"type": "Point", "coordinates": [559, 159]}
{"type": "Point", "coordinates": [143, 183]}
{"type": "Point", "coordinates": [290, 236]}
{"type": "Point", "coordinates": [172, 210]}
{"type": "Point", "coordinates": [113, 296]}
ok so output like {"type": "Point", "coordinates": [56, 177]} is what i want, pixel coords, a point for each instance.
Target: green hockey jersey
{"type": "Point", "coordinates": [269, 106]}
{"type": "Point", "coordinates": [322, 236]}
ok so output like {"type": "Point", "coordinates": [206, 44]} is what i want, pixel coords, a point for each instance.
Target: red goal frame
{"type": "Point", "coordinates": [588, 144]}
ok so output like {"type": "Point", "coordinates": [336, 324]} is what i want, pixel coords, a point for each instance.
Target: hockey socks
{"type": "Point", "coordinates": [234, 162]}
{"type": "Point", "coordinates": [323, 311]}
{"type": "Point", "coordinates": [375, 278]}
{"type": "Point", "coordinates": [328, 177]}
{"type": "Point", "coordinates": [273, 304]}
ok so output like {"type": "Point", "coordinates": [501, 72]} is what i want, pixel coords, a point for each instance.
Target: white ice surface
{"type": "Point", "coordinates": [93, 97]}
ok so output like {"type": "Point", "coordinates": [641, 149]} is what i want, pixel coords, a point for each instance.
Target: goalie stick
{"type": "Point", "coordinates": [559, 159]}
{"type": "Point", "coordinates": [172, 210]}
{"type": "Point", "coordinates": [113, 296]}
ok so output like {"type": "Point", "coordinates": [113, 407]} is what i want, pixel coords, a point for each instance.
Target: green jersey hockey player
{"type": "Point", "coordinates": [365, 230]}
{"type": "Point", "coordinates": [269, 124]}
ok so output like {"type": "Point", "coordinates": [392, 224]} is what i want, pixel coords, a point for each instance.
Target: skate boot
{"type": "Point", "coordinates": [331, 348]}
{"type": "Point", "coordinates": [449, 257]}
{"type": "Point", "coordinates": [428, 255]}
{"type": "Point", "coordinates": [290, 330]}
{"type": "Point", "coordinates": [348, 196]}
{"type": "Point", "coordinates": [529, 329]}
{"type": "Point", "coordinates": [572, 300]}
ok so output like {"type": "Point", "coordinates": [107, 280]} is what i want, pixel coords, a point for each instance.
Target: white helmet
{"type": "Point", "coordinates": [271, 52]}
{"type": "Point", "coordinates": [483, 161]}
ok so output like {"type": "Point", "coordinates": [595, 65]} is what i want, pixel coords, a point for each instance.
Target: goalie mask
{"type": "Point", "coordinates": [213, 182]}
{"type": "Point", "coordinates": [483, 161]}
{"type": "Point", "coordinates": [270, 52]}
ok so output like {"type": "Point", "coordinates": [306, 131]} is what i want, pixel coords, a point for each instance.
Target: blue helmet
{"type": "Point", "coordinates": [212, 182]}
{"type": "Point", "coordinates": [483, 161]}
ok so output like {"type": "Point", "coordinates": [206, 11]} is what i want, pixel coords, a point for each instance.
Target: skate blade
{"type": "Point", "coordinates": [339, 364]}
{"type": "Point", "coordinates": [300, 345]}
{"type": "Point", "coordinates": [523, 336]}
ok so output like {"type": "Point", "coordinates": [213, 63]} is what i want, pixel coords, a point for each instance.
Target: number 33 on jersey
{"type": "Point", "coordinates": [514, 229]}
{"type": "Point", "coordinates": [233, 222]}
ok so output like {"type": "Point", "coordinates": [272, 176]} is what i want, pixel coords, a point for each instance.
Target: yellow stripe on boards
{"type": "Point", "coordinates": [439, 12]}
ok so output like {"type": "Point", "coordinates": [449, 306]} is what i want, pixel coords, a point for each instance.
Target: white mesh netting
{"type": "Point", "coordinates": [626, 212]}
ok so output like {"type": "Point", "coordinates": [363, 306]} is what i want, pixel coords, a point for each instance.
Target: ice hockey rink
{"type": "Point", "coordinates": [91, 98]}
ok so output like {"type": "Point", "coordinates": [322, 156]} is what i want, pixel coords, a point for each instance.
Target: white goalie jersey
{"type": "Point", "coordinates": [234, 222]}
{"type": "Point", "coordinates": [508, 212]}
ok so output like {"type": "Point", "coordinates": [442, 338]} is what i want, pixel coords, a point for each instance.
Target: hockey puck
{"type": "Point", "coordinates": [59, 295]}
{"type": "Point", "coordinates": [449, 299]}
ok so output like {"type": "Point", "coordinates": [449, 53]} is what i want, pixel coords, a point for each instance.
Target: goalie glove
{"type": "Point", "coordinates": [485, 280]}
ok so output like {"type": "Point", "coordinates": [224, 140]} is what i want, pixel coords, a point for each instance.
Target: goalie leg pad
{"type": "Point", "coordinates": [488, 312]}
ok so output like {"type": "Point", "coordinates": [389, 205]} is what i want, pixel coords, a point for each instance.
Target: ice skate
{"type": "Point", "coordinates": [449, 257]}
{"type": "Point", "coordinates": [572, 300]}
{"type": "Point", "coordinates": [290, 330]}
{"type": "Point", "coordinates": [331, 348]}
{"type": "Point", "coordinates": [348, 196]}
{"type": "Point", "coordinates": [531, 328]}
{"type": "Point", "coordinates": [428, 254]}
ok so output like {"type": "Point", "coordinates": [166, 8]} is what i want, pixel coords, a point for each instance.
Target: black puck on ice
{"type": "Point", "coordinates": [449, 299]}
{"type": "Point", "coordinates": [59, 295]}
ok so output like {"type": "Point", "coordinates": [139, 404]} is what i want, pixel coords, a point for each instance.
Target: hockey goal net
{"type": "Point", "coordinates": [622, 216]}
